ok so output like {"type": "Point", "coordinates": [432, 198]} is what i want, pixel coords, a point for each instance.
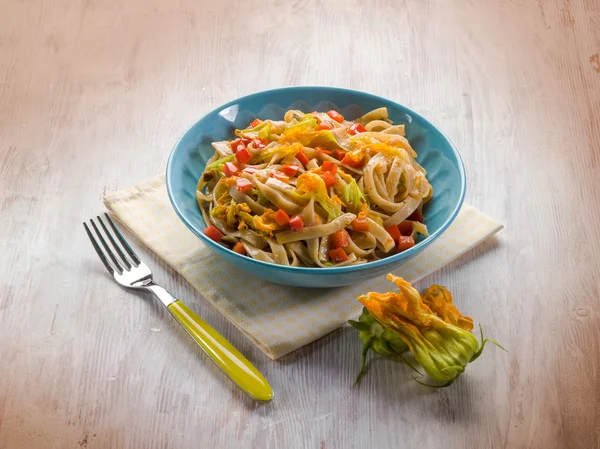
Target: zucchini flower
{"type": "Point", "coordinates": [432, 328]}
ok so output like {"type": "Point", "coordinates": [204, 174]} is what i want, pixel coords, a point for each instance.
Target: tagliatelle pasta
{"type": "Point", "coordinates": [315, 189]}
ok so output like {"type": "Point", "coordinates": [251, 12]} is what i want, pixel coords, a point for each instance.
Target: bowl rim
{"type": "Point", "coordinates": [322, 270]}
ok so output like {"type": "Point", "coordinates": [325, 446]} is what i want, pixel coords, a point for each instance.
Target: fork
{"type": "Point", "coordinates": [129, 271]}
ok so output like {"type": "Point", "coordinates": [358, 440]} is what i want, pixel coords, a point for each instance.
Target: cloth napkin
{"type": "Point", "coordinates": [278, 319]}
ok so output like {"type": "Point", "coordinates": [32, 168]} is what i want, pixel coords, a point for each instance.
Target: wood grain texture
{"type": "Point", "coordinates": [93, 94]}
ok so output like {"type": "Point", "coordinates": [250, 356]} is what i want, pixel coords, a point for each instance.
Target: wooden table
{"type": "Point", "coordinates": [94, 93]}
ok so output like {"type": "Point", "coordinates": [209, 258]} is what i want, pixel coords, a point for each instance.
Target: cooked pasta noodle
{"type": "Point", "coordinates": [315, 190]}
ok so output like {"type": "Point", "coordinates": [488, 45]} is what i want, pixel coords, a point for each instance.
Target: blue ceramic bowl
{"type": "Point", "coordinates": [445, 171]}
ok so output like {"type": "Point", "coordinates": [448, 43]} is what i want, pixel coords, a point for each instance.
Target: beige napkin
{"type": "Point", "coordinates": [278, 319]}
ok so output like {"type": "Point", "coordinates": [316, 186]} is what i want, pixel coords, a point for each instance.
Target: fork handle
{"type": "Point", "coordinates": [229, 359]}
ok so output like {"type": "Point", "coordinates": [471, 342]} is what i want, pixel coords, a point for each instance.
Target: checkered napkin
{"type": "Point", "coordinates": [278, 319]}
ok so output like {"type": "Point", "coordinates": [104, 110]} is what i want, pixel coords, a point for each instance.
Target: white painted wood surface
{"type": "Point", "coordinates": [93, 94]}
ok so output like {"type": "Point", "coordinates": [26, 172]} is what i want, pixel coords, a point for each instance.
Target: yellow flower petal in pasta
{"type": "Point", "coordinates": [387, 150]}
{"type": "Point", "coordinates": [313, 186]}
{"type": "Point", "coordinates": [281, 150]}
{"type": "Point", "coordinates": [266, 222]}
{"type": "Point", "coordinates": [242, 207]}
{"type": "Point", "coordinates": [219, 212]}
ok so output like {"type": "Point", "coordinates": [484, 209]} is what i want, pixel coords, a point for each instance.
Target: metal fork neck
{"type": "Point", "coordinates": [165, 297]}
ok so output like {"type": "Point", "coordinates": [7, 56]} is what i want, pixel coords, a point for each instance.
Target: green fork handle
{"type": "Point", "coordinates": [229, 359]}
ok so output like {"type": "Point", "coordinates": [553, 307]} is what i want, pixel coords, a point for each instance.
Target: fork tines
{"type": "Point", "coordinates": [112, 263]}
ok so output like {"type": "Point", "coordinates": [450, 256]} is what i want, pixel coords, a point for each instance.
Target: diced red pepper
{"type": "Point", "coordinates": [237, 144]}
{"type": "Point", "coordinates": [323, 150]}
{"type": "Point", "coordinates": [303, 158]}
{"type": "Point", "coordinates": [324, 125]}
{"type": "Point", "coordinates": [255, 123]}
{"type": "Point", "coordinates": [281, 217]}
{"type": "Point", "coordinates": [417, 215]}
{"type": "Point", "coordinates": [243, 156]}
{"type": "Point", "coordinates": [351, 162]}
{"type": "Point", "coordinates": [289, 170]}
{"type": "Point", "coordinates": [339, 239]}
{"type": "Point", "coordinates": [338, 154]}
{"type": "Point", "coordinates": [356, 128]}
{"type": "Point", "coordinates": [405, 228]}
{"type": "Point", "coordinates": [329, 178]}
{"type": "Point", "coordinates": [279, 175]}
{"type": "Point", "coordinates": [360, 224]}
{"type": "Point", "coordinates": [393, 232]}
{"type": "Point", "coordinates": [250, 170]}
{"type": "Point", "coordinates": [243, 185]}
{"type": "Point", "coordinates": [260, 143]}
{"type": "Point", "coordinates": [338, 255]}
{"type": "Point", "coordinates": [329, 166]}
{"type": "Point", "coordinates": [213, 233]}
{"type": "Point", "coordinates": [239, 248]}
{"type": "Point", "coordinates": [230, 169]}
{"type": "Point", "coordinates": [296, 223]}
{"type": "Point", "coordinates": [405, 243]}
{"type": "Point", "coordinates": [335, 115]}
